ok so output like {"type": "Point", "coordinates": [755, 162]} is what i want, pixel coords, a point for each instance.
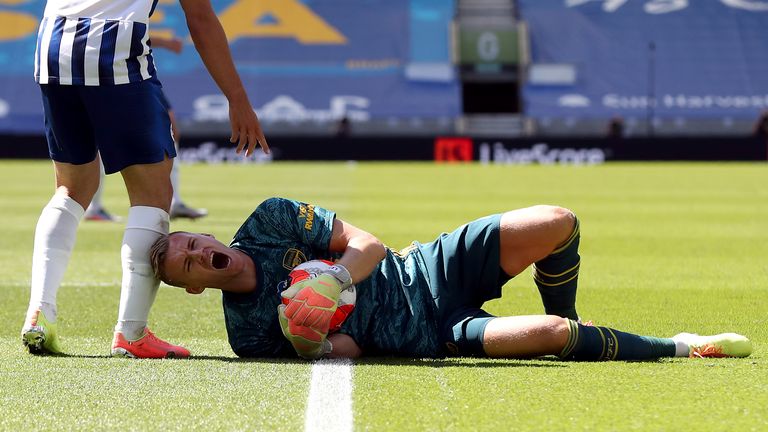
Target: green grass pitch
{"type": "Point", "coordinates": [665, 248]}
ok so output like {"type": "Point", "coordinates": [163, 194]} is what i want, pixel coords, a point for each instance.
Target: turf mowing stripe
{"type": "Point", "coordinates": [329, 405]}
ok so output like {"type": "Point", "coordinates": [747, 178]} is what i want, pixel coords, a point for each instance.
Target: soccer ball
{"type": "Point", "coordinates": [311, 269]}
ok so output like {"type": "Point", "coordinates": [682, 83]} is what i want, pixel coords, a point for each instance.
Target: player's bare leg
{"type": "Point", "coordinates": [149, 191]}
{"type": "Point", "coordinates": [55, 236]}
{"type": "Point", "coordinates": [530, 234]}
{"type": "Point", "coordinates": [149, 184]}
{"type": "Point", "coordinates": [548, 237]}
{"type": "Point", "coordinates": [539, 335]}
{"type": "Point", "coordinates": [525, 336]}
{"type": "Point", "coordinates": [79, 182]}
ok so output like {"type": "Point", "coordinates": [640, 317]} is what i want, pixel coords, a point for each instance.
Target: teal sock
{"type": "Point", "coordinates": [587, 343]}
{"type": "Point", "coordinates": [557, 276]}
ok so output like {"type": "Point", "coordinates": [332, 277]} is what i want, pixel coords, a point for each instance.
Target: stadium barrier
{"type": "Point", "coordinates": [446, 149]}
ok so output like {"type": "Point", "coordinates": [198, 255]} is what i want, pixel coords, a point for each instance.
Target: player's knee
{"type": "Point", "coordinates": [564, 218]}
{"type": "Point", "coordinates": [82, 193]}
{"type": "Point", "coordinates": [558, 331]}
{"type": "Point", "coordinates": [558, 325]}
{"type": "Point", "coordinates": [560, 219]}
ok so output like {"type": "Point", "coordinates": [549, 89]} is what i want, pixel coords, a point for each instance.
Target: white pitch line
{"type": "Point", "coordinates": [329, 405]}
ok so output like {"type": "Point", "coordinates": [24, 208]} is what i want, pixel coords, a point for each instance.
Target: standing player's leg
{"type": "Point", "coordinates": [72, 147]}
{"type": "Point", "coordinates": [178, 208]}
{"type": "Point", "coordinates": [547, 237]}
{"type": "Point", "coordinates": [538, 335]}
{"type": "Point", "coordinates": [134, 138]}
{"type": "Point", "coordinates": [96, 210]}
{"type": "Point", "coordinates": [149, 191]}
{"type": "Point", "coordinates": [55, 236]}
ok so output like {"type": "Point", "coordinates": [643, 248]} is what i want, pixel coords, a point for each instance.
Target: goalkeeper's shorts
{"type": "Point", "coordinates": [464, 272]}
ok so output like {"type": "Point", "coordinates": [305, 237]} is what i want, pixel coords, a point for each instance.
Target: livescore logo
{"type": "Point", "coordinates": [539, 153]}
{"type": "Point", "coordinates": [461, 150]}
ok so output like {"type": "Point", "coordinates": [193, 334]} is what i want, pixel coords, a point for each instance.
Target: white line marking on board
{"type": "Point", "coordinates": [329, 405]}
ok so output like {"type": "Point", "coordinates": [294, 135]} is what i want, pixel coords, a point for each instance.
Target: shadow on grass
{"type": "Point", "coordinates": [246, 359]}
{"type": "Point", "coordinates": [462, 362]}
{"type": "Point", "coordinates": [73, 356]}
{"type": "Point", "coordinates": [217, 358]}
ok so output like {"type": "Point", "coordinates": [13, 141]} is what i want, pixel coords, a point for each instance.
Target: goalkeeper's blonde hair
{"type": "Point", "coordinates": [157, 254]}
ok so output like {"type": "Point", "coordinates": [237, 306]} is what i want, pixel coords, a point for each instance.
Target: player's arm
{"type": "Point", "coordinates": [343, 346]}
{"type": "Point", "coordinates": [313, 301]}
{"type": "Point", "coordinates": [211, 43]}
{"type": "Point", "coordinates": [361, 250]}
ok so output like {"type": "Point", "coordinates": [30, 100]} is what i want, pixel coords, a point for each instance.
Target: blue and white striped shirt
{"type": "Point", "coordinates": [94, 42]}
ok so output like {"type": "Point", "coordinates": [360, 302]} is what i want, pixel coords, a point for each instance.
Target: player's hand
{"type": "Point", "coordinates": [246, 129]}
{"type": "Point", "coordinates": [308, 343]}
{"type": "Point", "coordinates": [313, 302]}
{"type": "Point", "coordinates": [175, 45]}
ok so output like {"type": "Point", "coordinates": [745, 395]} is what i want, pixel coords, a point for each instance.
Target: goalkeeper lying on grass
{"type": "Point", "coordinates": [424, 301]}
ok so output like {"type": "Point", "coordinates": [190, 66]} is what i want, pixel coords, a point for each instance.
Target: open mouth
{"type": "Point", "coordinates": [219, 261]}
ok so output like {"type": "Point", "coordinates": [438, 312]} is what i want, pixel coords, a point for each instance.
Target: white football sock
{"type": "Point", "coordinates": [96, 205]}
{"type": "Point", "coordinates": [682, 349]}
{"type": "Point", "coordinates": [55, 236]}
{"type": "Point", "coordinates": [175, 182]}
{"type": "Point", "coordinates": [682, 344]}
{"type": "Point", "coordinates": [144, 226]}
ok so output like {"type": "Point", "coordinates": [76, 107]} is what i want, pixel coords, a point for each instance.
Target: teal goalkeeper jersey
{"type": "Point", "coordinates": [394, 311]}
